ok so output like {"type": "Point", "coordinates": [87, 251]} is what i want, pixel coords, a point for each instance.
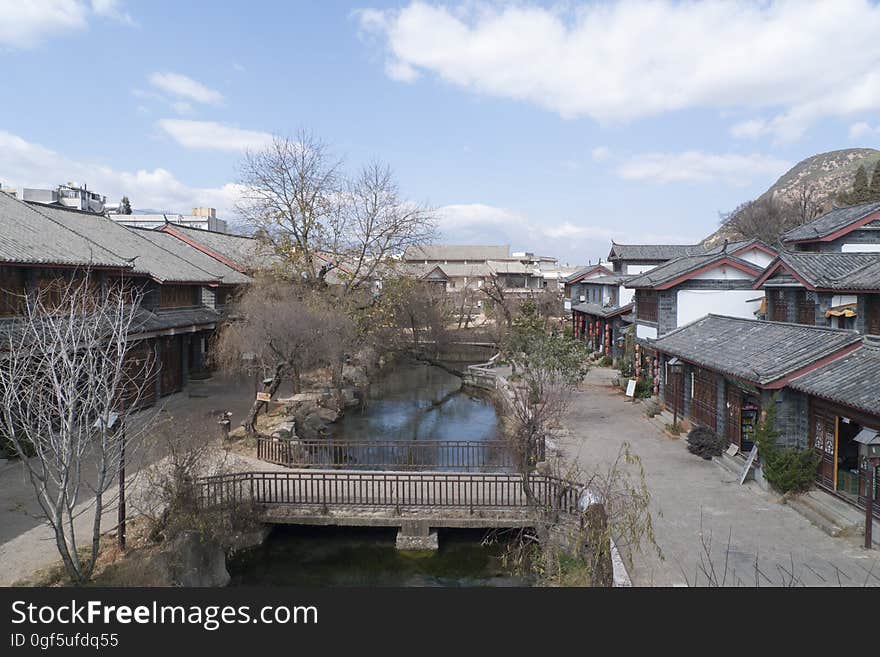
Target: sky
{"type": "Point", "coordinates": [552, 127]}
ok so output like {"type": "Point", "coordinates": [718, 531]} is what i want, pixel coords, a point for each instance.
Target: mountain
{"type": "Point", "coordinates": [826, 175]}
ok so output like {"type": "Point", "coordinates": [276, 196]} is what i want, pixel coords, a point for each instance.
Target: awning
{"type": "Point", "coordinates": [848, 310]}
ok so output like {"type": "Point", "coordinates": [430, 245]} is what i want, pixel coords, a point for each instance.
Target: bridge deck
{"type": "Point", "coordinates": [390, 497]}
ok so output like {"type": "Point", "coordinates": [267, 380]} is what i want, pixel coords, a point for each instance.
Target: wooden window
{"type": "Point", "coordinates": [176, 296]}
{"type": "Point", "coordinates": [872, 314]}
{"type": "Point", "coordinates": [778, 306]}
{"type": "Point", "coordinates": [805, 307]}
{"type": "Point", "coordinates": [646, 306]}
{"type": "Point", "coordinates": [704, 401]}
{"type": "Point", "coordinates": [12, 288]}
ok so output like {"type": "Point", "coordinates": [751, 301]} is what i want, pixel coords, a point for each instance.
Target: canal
{"type": "Point", "coordinates": [413, 402]}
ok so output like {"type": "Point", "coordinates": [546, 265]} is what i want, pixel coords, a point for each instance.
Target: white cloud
{"type": "Point", "coordinates": [26, 164]}
{"type": "Point", "coordinates": [601, 153]}
{"type": "Point", "coordinates": [619, 61]}
{"type": "Point", "coordinates": [24, 24]}
{"type": "Point", "coordinates": [212, 135]}
{"type": "Point", "coordinates": [862, 130]}
{"type": "Point", "coordinates": [112, 9]}
{"type": "Point", "coordinates": [751, 129]}
{"type": "Point", "coordinates": [185, 87]}
{"type": "Point", "coordinates": [696, 166]}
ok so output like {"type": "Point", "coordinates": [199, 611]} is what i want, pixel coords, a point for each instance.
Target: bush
{"type": "Point", "coordinates": [652, 409]}
{"type": "Point", "coordinates": [786, 469]}
{"type": "Point", "coordinates": [606, 361]}
{"type": "Point", "coordinates": [703, 442]}
{"type": "Point", "coordinates": [674, 429]}
{"type": "Point", "coordinates": [644, 389]}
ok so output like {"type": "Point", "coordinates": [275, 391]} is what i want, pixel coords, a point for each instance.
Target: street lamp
{"type": "Point", "coordinates": [674, 366]}
{"type": "Point", "coordinates": [869, 450]}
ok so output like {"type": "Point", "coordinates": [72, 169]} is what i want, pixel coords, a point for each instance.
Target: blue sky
{"type": "Point", "coordinates": [552, 127]}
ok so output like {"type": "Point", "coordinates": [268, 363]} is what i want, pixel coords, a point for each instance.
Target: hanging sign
{"type": "Point", "coordinates": [264, 396]}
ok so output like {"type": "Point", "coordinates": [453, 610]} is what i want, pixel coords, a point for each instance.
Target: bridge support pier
{"type": "Point", "coordinates": [416, 535]}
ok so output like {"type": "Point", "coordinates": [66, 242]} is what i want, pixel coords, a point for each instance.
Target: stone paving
{"type": "Point", "coordinates": [693, 498]}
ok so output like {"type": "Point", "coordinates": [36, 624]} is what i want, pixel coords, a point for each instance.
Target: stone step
{"type": "Point", "coordinates": [834, 507]}
{"type": "Point", "coordinates": [812, 512]}
{"type": "Point", "coordinates": [733, 464]}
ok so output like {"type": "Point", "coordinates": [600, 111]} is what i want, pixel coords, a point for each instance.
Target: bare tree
{"type": "Point", "coordinates": [807, 202]}
{"type": "Point", "coordinates": [68, 381]}
{"type": "Point", "coordinates": [291, 198]}
{"type": "Point", "coordinates": [279, 328]}
{"type": "Point", "coordinates": [768, 217]}
{"type": "Point", "coordinates": [299, 202]}
{"type": "Point", "coordinates": [377, 224]}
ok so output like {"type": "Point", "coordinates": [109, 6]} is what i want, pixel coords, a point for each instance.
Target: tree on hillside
{"type": "Point", "coordinates": [765, 218]}
{"type": "Point", "coordinates": [69, 379]}
{"type": "Point", "coordinates": [298, 200]}
{"type": "Point", "coordinates": [875, 183]}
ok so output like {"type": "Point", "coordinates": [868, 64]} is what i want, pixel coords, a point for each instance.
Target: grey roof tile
{"type": "Point", "coordinates": [602, 311]}
{"type": "Point", "coordinates": [831, 271]}
{"type": "Point", "coordinates": [756, 351]}
{"type": "Point", "coordinates": [657, 252]}
{"type": "Point", "coordinates": [225, 274]}
{"type": "Point", "coordinates": [830, 222]}
{"type": "Point", "coordinates": [247, 252]}
{"type": "Point", "coordinates": [669, 271]}
{"type": "Point", "coordinates": [850, 380]}
{"type": "Point", "coordinates": [149, 259]}
{"type": "Point", "coordinates": [29, 237]}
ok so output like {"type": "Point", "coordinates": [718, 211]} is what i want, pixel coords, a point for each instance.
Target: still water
{"type": "Point", "coordinates": [412, 402]}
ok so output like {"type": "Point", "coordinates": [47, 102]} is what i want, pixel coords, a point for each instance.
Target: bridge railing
{"type": "Point", "coordinates": [387, 490]}
{"type": "Point", "coordinates": [467, 455]}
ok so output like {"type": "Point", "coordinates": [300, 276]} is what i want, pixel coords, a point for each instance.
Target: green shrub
{"type": "Point", "coordinates": [644, 389]}
{"type": "Point", "coordinates": [606, 361]}
{"type": "Point", "coordinates": [786, 469]}
{"type": "Point", "coordinates": [704, 442]}
{"type": "Point", "coordinates": [674, 429]}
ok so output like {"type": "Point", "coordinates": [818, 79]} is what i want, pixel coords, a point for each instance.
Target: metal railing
{"type": "Point", "coordinates": [464, 455]}
{"type": "Point", "coordinates": [387, 490]}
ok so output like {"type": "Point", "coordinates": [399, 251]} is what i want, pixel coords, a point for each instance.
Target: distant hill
{"type": "Point", "coordinates": [828, 174]}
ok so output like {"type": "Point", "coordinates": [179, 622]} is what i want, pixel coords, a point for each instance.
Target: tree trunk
{"type": "Point", "coordinates": [250, 422]}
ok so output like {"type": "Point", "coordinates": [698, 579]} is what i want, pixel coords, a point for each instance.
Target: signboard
{"type": "Point", "coordinates": [748, 466]}
{"type": "Point", "coordinates": [264, 396]}
{"type": "Point", "coordinates": [631, 388]}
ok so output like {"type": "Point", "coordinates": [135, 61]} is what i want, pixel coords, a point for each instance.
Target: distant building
{"type": "Point", "coordinates": [203, 218]}
{"type": "Point", "coordinates": [68, 196]}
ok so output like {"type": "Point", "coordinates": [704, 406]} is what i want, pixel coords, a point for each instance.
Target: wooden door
{"type": "Point", "coordinates": [823, 437]}
{"type": "Point", "coordinates": [171, 355]}
{"type": "Point", "coordinates": [675, 390]}
{"type": "Point", "coordinates": [704, 402]}
{"type": "Point", "coordinates": [734, 415]}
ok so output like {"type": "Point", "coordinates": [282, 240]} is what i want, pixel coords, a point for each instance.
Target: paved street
{"type": "Point", "coordinates": [688, 491]}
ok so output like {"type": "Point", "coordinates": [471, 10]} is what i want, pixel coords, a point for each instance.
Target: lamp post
{"type": "Point", "coordinates": [869, 450]}
{"type": "Point", "coordinates": [674, 366]}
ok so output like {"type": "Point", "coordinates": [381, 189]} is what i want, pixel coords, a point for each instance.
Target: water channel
{"type": "Point", "coordinates": [412, 402]}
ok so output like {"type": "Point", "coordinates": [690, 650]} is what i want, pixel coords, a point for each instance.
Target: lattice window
{"type": "Point", "coordinates": [176, 296]}
{"type": "Point", "coordinates": [806, 308]}
{"type": "Point", "coordinates": [872, 315]}
{"type": "Point", "coordinates": [646, 306]}
{"type": "Point", "coordinates": [778, 306]}
{"type": "Point", "coordinates": [704, 401]}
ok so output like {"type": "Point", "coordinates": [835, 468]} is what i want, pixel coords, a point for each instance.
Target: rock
{"type": "Point", "coordinates": [356, 375]}
{"type": "Point", "coordinates": [286, 430]}
{"type": "Point", "coordinates": [247, 540]}
{"type": "Point", "coordinates": [238, 433]}
{"type": "Point", "coordinates": [327, 415]}
{"type": "Point", "coordinates": [302, 397]}
{"type": "Point", "coordinates": [195, 560]}
{"type": "Point", "coordinates": [349, 397]}
{"type": "Point", "coordinates": [312, 427]}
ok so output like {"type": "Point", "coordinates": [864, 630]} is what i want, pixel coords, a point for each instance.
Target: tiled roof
{"type": "Point", "coordinates": [847, 380]}
{"type": "Point", "coordinates": [226, 275]}
{"type": "Point", "coordinates": [456, 252]}
{"type": "Point", "coordinates": [657, 252]}
{"type": "Point", "coordinates": [149, 259]}
{"type": "Point", "coordinates": [246, 252]}
{"type": "Point", "coordinates": [830, 271]}
{"type": "Point", "coordinates": [28, 236]}
{"type": "Point", "coordinates": [674, 269]}
{"type": "Point", "coordinates": [574, 276]}
{"type": "Point", "coordinates": [757, 351]}
{"type": "Point", "coordinates": [162, 320]}
{"type": "Point", "coordinates": [602, 311]}
{"type": "Point", "coordinates": [830, 222]}
{"type": "Point", "coordinates": [608, 279]}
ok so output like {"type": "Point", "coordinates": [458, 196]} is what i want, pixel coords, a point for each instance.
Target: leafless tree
{"type": "Point", "coordinates": [807, 202]}
{"type": "Point", "coordinates": [768, 217]}
{"type": "Point", "coordinates": [298, 200]}
{"type": "Point", "coordinates": [68, 381]}
{"type": "Point", "coordinates": [377, 224]}
{"type": "Point", "coordinates": [280, 328]}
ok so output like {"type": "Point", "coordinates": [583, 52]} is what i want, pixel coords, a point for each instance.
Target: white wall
{"type": "Point", "coordinates": [723, 273]}
{"type": "Point", "coordinates": [844, 299]}
{"type": "Point", "coordinates": [625, 295]}
{"type": "Point", "coordinates": [860, 248]}
{"type": "Point", "coordinates": [646, 332]}
{"type": "Point", "coordinates": [694, 304]}
{"type": "Point", "coordinates": [757, 257]}
{"type": "Point", "coordinates": [637, 269]}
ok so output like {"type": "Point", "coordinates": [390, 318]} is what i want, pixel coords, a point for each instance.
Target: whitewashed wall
{"type": "Point", "coordinates": [860, 248]}
{"type": "Point", "coordinates": [694, 304]}
{"type": "Point", "coordinates": [757, 257]}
